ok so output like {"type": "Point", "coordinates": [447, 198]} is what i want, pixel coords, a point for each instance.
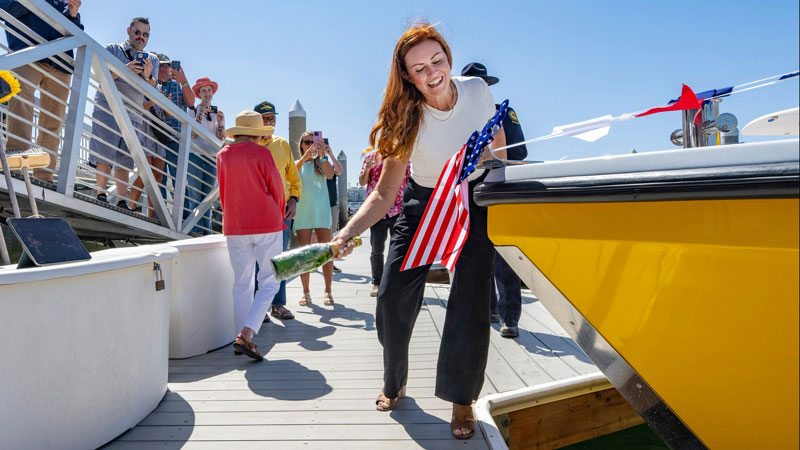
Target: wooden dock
{"type": "Point", "coordinates": [317, 386]}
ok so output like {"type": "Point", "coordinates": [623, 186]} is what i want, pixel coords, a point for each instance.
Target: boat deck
{"type": "Point", "coordinates": [317, 386]}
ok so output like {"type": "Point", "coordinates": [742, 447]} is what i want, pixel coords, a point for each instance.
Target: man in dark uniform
{"type": "Point", "coordinates": [506, 296]}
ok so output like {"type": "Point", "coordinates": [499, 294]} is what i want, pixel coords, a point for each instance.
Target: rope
{"type": "Point", "coordinates": [573, 130]}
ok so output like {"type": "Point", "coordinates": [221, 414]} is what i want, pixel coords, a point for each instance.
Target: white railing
{"type": "Point", "coordinates": [189, 189]}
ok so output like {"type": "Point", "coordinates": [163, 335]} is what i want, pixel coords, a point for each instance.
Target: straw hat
{"type": "Point", "coordinates": [204, 81]}
{"type": "Point", "coordinates": [248, 123]}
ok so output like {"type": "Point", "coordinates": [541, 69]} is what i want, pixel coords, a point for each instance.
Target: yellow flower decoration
{"type": "Point", "coordinates": [13, 85]}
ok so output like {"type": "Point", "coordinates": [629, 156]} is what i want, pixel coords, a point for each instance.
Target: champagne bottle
{"type": "Point", "coordinates": [305, 259]}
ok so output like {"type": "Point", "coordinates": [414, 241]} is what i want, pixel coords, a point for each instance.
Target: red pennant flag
{"type": "Point", "coordinates": [687, 101]}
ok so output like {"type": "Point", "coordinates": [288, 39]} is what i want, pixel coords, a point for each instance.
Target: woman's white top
{"type": "Point", "coordinates": [210, 122]}
{"type": "Point", "coordinates": [443, 133]}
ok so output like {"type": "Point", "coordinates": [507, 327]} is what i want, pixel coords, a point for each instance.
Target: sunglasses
{"type": "Point", "coordinates": [141, 33]}
{"type": "Point", "coordinates": [268, 119]}
{"type": "Point", "coordinates": [308, 142]}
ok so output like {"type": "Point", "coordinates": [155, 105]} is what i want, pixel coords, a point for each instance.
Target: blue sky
{"type": "Point", "coordinates": [558, 62]}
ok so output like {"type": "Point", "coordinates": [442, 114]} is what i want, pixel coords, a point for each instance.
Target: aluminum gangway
{"type": "Point", "coordinates": [185, 200]}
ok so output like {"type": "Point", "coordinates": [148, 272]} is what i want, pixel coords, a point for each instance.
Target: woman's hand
{"type": "Point", "coordinates": [221, 119]}
{"type": "Point", "coordinates": [343, 244]}
{"type": "Point", "coordinates": [311, 153]}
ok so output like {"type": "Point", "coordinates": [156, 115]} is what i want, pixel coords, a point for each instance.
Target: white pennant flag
{"type": "Point", "coordinates": [588, 130]}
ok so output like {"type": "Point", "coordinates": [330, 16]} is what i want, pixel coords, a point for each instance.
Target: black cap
{"type": "Point", "coordinates": [475, 69]}
{"type": "Point", "coordinates": [265, 108]}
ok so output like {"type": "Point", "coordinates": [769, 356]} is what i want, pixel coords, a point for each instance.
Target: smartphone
{"type": "Point", "coordinates": [140, 57]}
{"type": "Point", "coordinates": [176, 65]}
{"type": "Point", "coordinates": [213, 109]}
{"type": "Point", "coordinates": [325, 140]}
{"type": "Point", "coordinates": [318, 138]}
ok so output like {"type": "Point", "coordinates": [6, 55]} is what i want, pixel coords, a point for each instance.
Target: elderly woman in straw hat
{"type": "Point", "coordinates": [251, 192]}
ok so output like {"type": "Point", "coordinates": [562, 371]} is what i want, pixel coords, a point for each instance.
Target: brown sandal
{"type": "Point", "coordinates": [282, 312]}
{"type": "Point", "coordinates": [247, 348]}
{"type": "Point", "coordinates": [458, 423]}
{"type": "Point", "coordinates": [306, 300]}
{"type": "Point", "coordinates": [328, 299]}
{"type": "Point", "coordinates": [390, 403]}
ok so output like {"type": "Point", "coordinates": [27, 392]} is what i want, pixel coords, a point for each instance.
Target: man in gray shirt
{"type": "Point", "coordinates": [106, 146]}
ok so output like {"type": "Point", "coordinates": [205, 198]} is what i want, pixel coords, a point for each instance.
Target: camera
{"type": "Point", "coordinates": [213, 109]}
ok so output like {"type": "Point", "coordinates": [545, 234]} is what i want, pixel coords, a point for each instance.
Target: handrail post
{"type": "Point", "coordinates": [73, 125]}
{"type": "Point", "coordinates": [181, 172]}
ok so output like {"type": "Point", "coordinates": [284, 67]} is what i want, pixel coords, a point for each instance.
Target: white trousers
{"type": "Point", "coordinates": [244, 252]}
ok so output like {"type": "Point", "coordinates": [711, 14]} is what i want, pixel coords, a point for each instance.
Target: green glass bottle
{"type": "Point", "coordinates": [305, 259]}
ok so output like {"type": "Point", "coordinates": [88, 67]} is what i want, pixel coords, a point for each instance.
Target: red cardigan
{"type": "Point", "coordinates": [250, 189]}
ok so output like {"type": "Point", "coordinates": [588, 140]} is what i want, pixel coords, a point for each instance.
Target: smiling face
{"type": "Point", "coordinates": [138, 35]}
{"type": "Point", "coordinates": [206, 93]}
{"type": "Point", "coordinates": [428, 69]}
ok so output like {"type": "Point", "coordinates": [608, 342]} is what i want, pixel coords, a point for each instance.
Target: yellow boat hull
{"type": "Point", "coordinates": [699, 297]}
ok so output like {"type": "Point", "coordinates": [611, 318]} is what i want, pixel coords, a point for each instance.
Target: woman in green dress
{"type": "Point", "coordinates": [313, 209]}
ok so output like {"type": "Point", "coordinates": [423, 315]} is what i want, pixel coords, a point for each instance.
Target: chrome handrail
{"type": "Point", "coordinates": [93, 64]}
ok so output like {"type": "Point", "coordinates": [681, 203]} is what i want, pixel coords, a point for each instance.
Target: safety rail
{"type": "Point", "coordinates": [184, 200]}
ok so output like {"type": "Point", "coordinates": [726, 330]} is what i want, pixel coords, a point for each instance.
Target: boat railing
{"type": "Point", "coordinates": [187, 190]}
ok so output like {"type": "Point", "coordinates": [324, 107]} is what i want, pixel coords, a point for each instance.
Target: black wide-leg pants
{"type": "Point", "coordinates": [465, 336]}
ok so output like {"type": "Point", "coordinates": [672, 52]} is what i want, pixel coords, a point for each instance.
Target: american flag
{"type": "Point", "coordinates": [445, 223]}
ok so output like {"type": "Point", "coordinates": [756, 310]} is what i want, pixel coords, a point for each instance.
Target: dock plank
{"type": "Point", "coordinates": [322, 372]}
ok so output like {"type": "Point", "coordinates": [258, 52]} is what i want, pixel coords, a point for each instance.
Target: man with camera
{"type": "Point", "coordinates": [173, 83]}
{"type": "Point", "coordinates": [105, 130]}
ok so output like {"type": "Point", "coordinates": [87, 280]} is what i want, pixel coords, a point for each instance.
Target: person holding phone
{"type": "Point", "coordinates": [333, 191]}
{"type": "Point", "coordinates": [426, 117]}
{"type": "Point", "coordinates": [173, 83]}
{"type": "Point", "coordinates": [107, 148]}
{"type": "Point", "coordinates": [201, 171]}
{"type": "Point", "coordinates": [313, 211]}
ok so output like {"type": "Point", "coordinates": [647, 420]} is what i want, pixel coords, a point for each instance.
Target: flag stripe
{"type": "Point", "coordinates": [439, 215]}
{"type": "Point", "coordinates": [426, 247]}
{"type": "Point", "coordinates": [455, 245]}
{"type": "Point", "coordinates": [422, 236]}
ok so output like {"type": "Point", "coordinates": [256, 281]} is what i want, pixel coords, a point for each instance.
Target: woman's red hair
{"type": "Point", "coordinates": [400, 115]}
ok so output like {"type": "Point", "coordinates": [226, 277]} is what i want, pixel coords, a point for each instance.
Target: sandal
{"type": "Point", "coordinates": [281, 312]}
{"type": "Point", "coordinates": [247, 348]}
{"type": "Point", "coordinates": [306, 300]}
{"type": "Point", "coordinates": [464, 422]}
{"type": "Point", "coordinates": [328, 299]}
{"type": "Point", "coordinates": [384, 403]}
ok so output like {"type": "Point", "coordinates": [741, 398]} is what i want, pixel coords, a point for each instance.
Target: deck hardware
{"type": "Point", "coordinates": [504, 422]}
{"type": "Point", "coordinates": [159, 279]}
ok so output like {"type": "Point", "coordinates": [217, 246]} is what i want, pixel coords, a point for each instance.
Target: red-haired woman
{"type": "Point", "coordinates": [425, 118]}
